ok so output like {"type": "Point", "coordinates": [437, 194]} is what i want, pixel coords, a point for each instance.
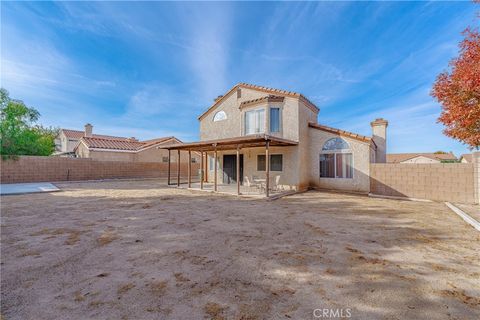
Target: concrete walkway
{"type": "Point", "coordinates": [21, 188]}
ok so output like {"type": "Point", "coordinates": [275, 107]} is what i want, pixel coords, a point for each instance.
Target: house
{"type": "Point", "coordinates": [437, 157]}
{"type": "Point", "coordinates": [466, 158]}
{"type": "Point", "coordinates": [258, 134]}
{"type": "Point", "coordinates": [67, 139]}
{"type": "Point", "coordinates": [123, 149]}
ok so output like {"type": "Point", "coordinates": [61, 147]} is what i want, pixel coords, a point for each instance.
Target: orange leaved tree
{"type": "Point", "coordinates": [458, 91]}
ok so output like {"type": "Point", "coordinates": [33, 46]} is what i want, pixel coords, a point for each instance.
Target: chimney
{"type": "Point", "coordinates": [133, 139]}
{"type": "Point", "coordinates": [88, 130]}
{"type": "Point", "coordinates": [379, 136]}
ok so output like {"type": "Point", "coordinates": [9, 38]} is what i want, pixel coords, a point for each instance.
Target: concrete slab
{"type": "Point", "coordinates": [21, 188]}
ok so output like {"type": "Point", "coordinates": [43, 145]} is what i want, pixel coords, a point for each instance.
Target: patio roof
{"type": "Point", "coordinates": [232, 143]}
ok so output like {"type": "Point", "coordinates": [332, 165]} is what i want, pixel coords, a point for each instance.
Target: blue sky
{"type": "Point", "coordinates": [149, 69]}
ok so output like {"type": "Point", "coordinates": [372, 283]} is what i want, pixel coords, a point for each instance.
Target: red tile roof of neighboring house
{"type": "Point", "coordinates": [123, 144]}
{"type": "Point", "coordinates": [340, 132]}
{"type": "Point", "coordinates": [400, 157]}
{"type": "Point", "coordinates": [468, 157]}
{"type": "Point", "coordinates": [76, 134]}
{"type": "Point", "coordinates": [273, 91]}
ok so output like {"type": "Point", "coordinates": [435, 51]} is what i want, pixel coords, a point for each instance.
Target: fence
{"type": "Point", "coordinates": [40, 169]}
{"type": "Point", "coordinates": [453, 182]}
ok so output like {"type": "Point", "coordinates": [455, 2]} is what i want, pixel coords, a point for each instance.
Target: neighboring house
{"type": "Point", "coordinates": [421, 157]}
{"type": "Point", "coordinates": [128, 149]}
{"type": "Point", "coordinates": [67, 139]}
{"type": "Point", "coordinates": [466, 158]}
{"type": "Point", "coordinates": [257, 121]}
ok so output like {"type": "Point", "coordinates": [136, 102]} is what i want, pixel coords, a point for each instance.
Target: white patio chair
{"type": "Point", "coordinates": [252, 184]}
{"type": "Point", "coordinates": [276, 186]}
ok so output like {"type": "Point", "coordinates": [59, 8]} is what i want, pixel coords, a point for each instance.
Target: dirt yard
{"type": "Point", "coordinates": [140, 250]}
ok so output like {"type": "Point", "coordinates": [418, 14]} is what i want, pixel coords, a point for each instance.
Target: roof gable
{"type": "Point", "coordinates": [340, 132]}
{"type": "Point", "coordinates": [400, 157]}
{"type": "Point", "coordinates": [271, 91]}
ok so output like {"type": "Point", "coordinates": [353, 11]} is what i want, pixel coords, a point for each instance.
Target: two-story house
{"type": "Point", "coordinates": [258, 134]}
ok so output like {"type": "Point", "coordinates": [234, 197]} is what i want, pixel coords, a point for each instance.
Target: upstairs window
{"type": "Point", "coordinates": [274, 119]}
{"type": "Point", "coordinates": [219, 116]}
{"type": "Point", "coordinates": [255, 121]}
{"type": "Point", "coordinates": [336, 159]}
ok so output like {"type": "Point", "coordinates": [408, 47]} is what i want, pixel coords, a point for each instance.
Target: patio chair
{"type": "Point", "coordinates": [276, 186]}
{"type": "Point", "coordinates": [252, 184]}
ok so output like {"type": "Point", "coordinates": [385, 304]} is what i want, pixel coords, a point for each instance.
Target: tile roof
{"type": "Point", "coordinates": [400, 157]}
{"type": "Point", "coordinates": [76, 134]}
{"type": "Point", "coordinates": [340, 132]}
{"type": "Point", "coordinates": [269, 98]}
{"type": "Point", "coordinates": [123, 144]}
{"type": "Point", "coordinates": [273, 91]}
{"type": "Point", "coordinates": [468, 157]}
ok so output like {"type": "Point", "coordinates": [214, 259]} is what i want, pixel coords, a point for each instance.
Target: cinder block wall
{"type": "Point", "coordinates": [440, 182]}
{"type": "Point", "coordinates": [41, 169]}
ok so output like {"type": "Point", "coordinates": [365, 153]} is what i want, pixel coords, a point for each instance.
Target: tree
{"type": "Point", "coordinates": [458, 91]}
{"type": "Point", "coordinates": [19, 135]}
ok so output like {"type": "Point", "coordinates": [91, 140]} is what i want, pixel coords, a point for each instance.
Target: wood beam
{"type": "Point", "coordinates": [215, 170]}
{"type": "Point", "coordinates": [168, 170]}
{"type": "Point", "coordinates": [238, 170]}
{"type": "Point", "coordinates": [189, 168]}
{"type": "Point", "coordinates": [201, 170]}
{"type": "Point", "coordinates": [267, 160]}
{"type": "Point", "coordinates": [178, 169]}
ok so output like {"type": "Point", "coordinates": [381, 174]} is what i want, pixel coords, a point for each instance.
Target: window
{"type": "Point", "coordinates": [255, 121]}
{"type": "Point", "coordinates": [239, 93]}
{"type": "Point", "coordinates": [336, 159]}
{"type": "Point", "coordinates": [219, 116]}
{"type": "Point", "coordinates": [194, 160]}
{"type": "Point", "coordinates": [274, 119]}
{"type": "Point", "coordinates": [276, 162]}
{"type": "Point", "coordinates": [164, 159]}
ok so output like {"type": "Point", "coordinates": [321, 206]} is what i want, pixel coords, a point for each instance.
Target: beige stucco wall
{"type": "Point", "coordinates": [288, 175]}
{"type": "Point", "coordinates": [112, 155]}
{"type": "Point", "coordinates": [66, 145]}
{"type": "Point", "coordinates": [233, 126]}
{"type": "Point", "coordinates": [361, 163]}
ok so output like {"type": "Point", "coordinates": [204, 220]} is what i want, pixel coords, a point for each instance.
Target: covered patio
{"type": "Point", "coordinates": [263, 187]}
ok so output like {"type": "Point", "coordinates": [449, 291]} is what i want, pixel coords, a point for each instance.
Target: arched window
{"type": "Point", "coordinates": [219, 116]}
{"type": "Point", "coordinates": [335, 144]}
{"type": "Point", "coordinates": [336, 159]}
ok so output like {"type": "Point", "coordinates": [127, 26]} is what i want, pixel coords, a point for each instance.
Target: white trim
{"type": "Point", "coordinates": [471, 221]}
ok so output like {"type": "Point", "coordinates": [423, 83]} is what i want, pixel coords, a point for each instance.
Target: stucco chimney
{"type": "Point", "coordinates": [88, 130]}
{"type": "Point", "coordinates": [379, 136]}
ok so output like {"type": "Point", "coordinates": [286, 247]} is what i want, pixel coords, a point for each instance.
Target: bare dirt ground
{"type": "Point", "coordinates": [140, 250]}
{"type": "Point", "coordinates": [473, 210]}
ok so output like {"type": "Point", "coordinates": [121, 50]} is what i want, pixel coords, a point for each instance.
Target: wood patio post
{"type": "Point", "coordinates": [215, 170]}
{"type": "Point", "coordinates": [201, 170]}
{"type": "Point", "coordinates": [168, 170]}
{"type": "Point", "coordinates": [178, 169]}
{"type": "Point", "coordinates": [238, 170]}
{"type": "Point", "coordinates": [189, 168]}
{"type": "Point", "coordinates": [206, 166]}
{"type": "Point", "coordinates": [267, 164]}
